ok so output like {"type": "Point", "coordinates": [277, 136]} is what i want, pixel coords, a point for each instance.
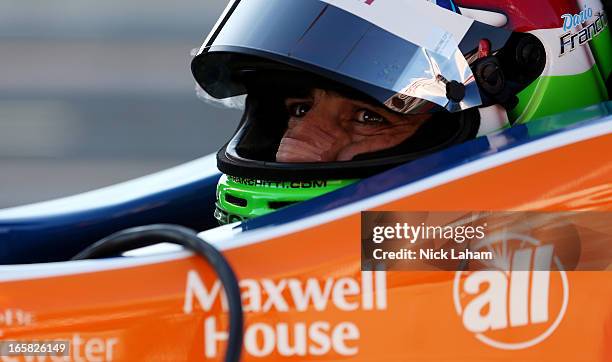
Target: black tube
{"type": "Point", "coordinates": [142, 236]}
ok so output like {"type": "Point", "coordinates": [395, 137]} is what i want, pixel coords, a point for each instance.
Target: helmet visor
{"type": "Point", "coordinates": [403, 53]}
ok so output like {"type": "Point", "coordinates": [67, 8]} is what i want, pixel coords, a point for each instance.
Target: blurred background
{"type": "Point", "coordinates": [97, 92]}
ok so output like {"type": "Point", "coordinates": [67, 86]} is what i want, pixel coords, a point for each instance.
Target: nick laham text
{"type": "Point", "coordinates": [432, 254]}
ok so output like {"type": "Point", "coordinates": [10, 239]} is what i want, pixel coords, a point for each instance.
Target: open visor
{"type": "Point", "coordinates": [410, 55]}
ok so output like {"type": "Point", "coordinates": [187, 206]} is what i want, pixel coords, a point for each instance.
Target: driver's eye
{"type": "Point", "coordinates": [371, 118]}
{"type": "Point", "coordinates": [299, 110]}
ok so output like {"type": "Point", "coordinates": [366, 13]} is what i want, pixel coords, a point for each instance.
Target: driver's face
{"type": "Point", "coordinates": [326, 126]}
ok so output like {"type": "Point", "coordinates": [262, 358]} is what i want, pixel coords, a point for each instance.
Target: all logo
{"type": "Point", "coordinates": [517, 303]}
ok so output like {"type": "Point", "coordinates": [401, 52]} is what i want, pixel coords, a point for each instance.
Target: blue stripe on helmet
{"type": "Point", "coordinates": [448, 4]}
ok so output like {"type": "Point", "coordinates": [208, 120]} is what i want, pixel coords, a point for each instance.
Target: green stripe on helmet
{"type": "Point", "coordinates": [601, 45]}
{"type": "Point", "coordinates": [549, 95]}
{"type": "Point", "coordinates": [245, 198]}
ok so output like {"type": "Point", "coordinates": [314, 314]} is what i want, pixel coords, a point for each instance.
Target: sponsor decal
{"type": "Point", "coordinates": [15, 317]}
{"type": "Point", "coordinates": [572, 21]}
{"type": "Point", "coordinates": [519, 305]}
{"type": "Point", "coordinates": [579, 29]}
{"type": "Point", "coordinates": [226, 218]}
{"type": "Point", "coordinates": [293, 336]}
{"type": "Point", "coordinates": [280, 184]}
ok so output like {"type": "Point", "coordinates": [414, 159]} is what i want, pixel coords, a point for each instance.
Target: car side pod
{"type": "Point", "coordinates": [56, 230]}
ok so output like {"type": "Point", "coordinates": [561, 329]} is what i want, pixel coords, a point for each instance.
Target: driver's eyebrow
{"type": "Point", "coordinates": [297, 98]}
{"type": "Point", "coordinates": [307, 95]}
{"type": "Point", "coordinates": [372, 107]}
{"type": "Point", "coordinates": [298, 94]}
{"type": "Point", "coordinates": [366, 105]}
{"type": "Point", "coordinates": [358, 101]}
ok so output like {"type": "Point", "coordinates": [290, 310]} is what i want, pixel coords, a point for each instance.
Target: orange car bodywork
{"type": "Point", "coordinates": [305, 297]}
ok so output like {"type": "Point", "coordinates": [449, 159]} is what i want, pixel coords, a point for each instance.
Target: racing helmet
{"type": "Point", "coordinates": [476, 66]}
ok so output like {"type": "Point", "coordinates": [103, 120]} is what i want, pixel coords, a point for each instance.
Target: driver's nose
{"type": "Point", "coordinates": [318, 136]}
